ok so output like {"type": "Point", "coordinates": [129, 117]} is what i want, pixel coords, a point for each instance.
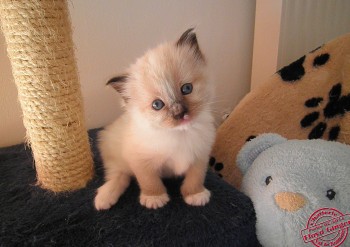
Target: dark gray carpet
{"type": "Point", "coordinates": [30, 216]}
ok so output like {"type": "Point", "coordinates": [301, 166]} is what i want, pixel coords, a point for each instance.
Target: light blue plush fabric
{"type": "Point", "coordinates": [308, 168]}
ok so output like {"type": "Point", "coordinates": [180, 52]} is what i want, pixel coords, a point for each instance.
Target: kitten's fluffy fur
{"type": "Point", "coordinates": [150, 144]}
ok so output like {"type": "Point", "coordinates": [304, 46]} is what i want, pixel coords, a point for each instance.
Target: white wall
{"type": "Point", "coordinates": [109, 35]}
{"type": "Point", "coordinates": [266, 39]}
{"type": "Point", "coordinates": [11, 126]}
{"type": "Point", "coordinates": [305, 25]}
{"type": "Point", "coordinates": [287, 29]}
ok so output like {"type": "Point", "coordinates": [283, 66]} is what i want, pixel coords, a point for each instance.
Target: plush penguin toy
{"type": "Point", "coordinates": [300, 190]}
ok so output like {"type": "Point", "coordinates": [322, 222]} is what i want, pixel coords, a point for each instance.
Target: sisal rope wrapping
{"type": "Point", "coordinates": [40, 47]}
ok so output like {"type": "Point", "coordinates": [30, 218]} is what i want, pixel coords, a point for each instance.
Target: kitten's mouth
{"type": "Point", "coordinates": [181, 114]}
{"type": "Point", "coordinates": [185, 119]}
{"type": "Point", "coordinates": [184, 123]}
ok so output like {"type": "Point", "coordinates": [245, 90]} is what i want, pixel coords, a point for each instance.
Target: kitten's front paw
{"type": "Point", "coordinates": [104, 200]}
{"type": "Point", "coordinates": [199, 199]}
{"type": "Point", "coordinates": [154, 202]}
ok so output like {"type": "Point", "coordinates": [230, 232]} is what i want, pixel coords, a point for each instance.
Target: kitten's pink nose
{"type": "Point", "coordinates": [181, 115]}
{"type": "Point", "coordinates": [179, 111]}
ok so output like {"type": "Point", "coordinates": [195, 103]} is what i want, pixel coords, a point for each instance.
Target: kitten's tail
{"type": "Point", "coordinates": [108, 194]}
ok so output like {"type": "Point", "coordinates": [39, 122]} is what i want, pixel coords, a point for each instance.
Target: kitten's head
{"type": "Point", "coordinates": [167, 86]}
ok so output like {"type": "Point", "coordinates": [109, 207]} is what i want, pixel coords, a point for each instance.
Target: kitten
{"type": "Point", "coordinates": [167, 128]}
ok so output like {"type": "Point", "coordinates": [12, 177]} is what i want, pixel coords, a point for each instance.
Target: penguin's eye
{"type": "Point", "coordinates": [268, 180]}
{"type": "Point", "coordinates": [330, 194]}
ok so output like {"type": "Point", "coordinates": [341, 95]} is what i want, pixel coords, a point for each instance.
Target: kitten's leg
{"type": "Point", "coordinates": [153, 193]}
{"type": "Point", "coordinates": [109, 193]}
{"type": "Point", "coordinates": [193, 189]}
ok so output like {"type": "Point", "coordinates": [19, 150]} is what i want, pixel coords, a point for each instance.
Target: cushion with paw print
{"type": "Point", "coordinates": [308, 99]}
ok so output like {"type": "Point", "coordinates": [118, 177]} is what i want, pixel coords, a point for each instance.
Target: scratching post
{"type": "Point", "coordinates": [41, 51]}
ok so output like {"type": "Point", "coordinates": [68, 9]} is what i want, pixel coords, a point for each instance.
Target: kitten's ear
{"type": "Point", "coordinates": [118, 83]}
{"type": "Point", "coordinates": [189, 38]}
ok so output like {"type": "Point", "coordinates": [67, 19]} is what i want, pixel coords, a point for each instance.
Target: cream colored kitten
{"type": "Point", "coordinates": [167, 128]}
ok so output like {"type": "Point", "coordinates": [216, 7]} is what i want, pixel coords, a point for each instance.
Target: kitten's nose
{"type": "Point", "coordinates": [180, 115]}
{"type": "Point", "coordinates": [179, 111]}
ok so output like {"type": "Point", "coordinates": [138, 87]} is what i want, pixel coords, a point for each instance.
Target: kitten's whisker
{"type": "Point", "coordinates": [216, 111]}
{"type": "Point", "coordinates": [208, 104]}
{"type": "Point", "coordinates": [215, 102]}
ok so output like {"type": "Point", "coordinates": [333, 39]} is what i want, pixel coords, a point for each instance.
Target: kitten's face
{"type": "Point", "coordinates": [167, 86]}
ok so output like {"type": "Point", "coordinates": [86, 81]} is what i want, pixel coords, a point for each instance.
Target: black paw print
{"type": "Point", "coordinates": [295, 71]}
{"type": "Point", "coordinates": [250, 138]}
{"type": "Point", "coordinates": [217, 166]}
{"type": "Point", "coordinates": [337, 106]}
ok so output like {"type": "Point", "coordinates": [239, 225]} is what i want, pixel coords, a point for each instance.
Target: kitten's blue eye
{"type": "Point", "coordinates": [157, 104]}
{"type": "Point", "coordinates": [186, 88]}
